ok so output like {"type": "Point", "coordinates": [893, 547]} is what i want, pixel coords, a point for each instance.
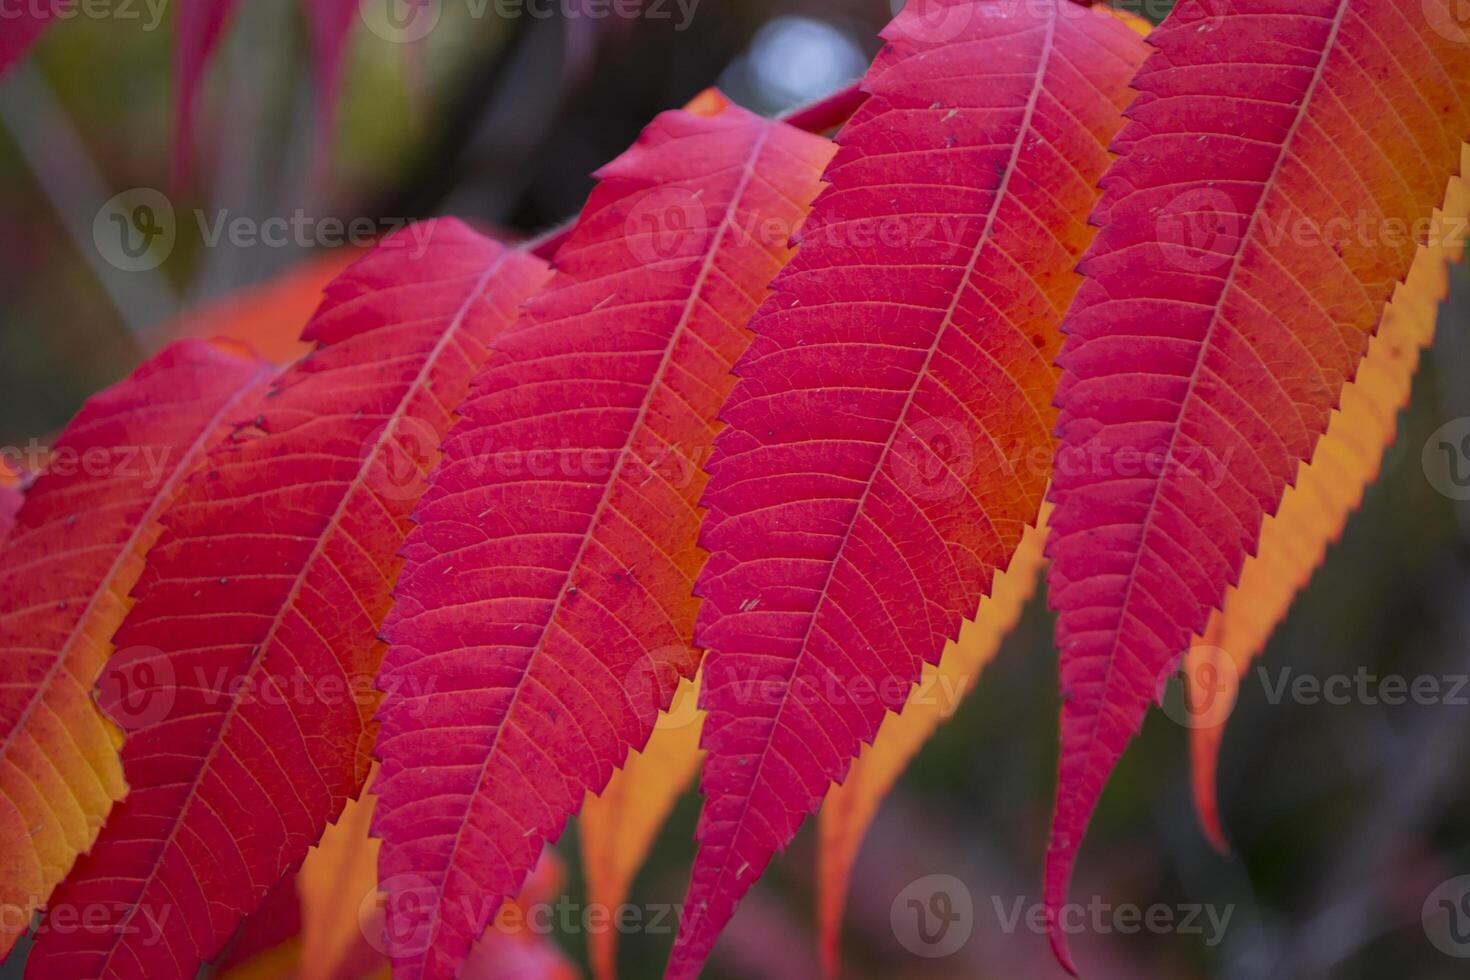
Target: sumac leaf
{"type": "Point", "coordinates": [547, 584]}
{"type": "Point", "coordinates": [1275, 164]}
{"type": "Point", "coordinates": [849, 809]}
{"type": "Point", "coordinates": [889, 436]}
{"type": "Point", "coordinates": [1327, 491]}
{"type": "Point", "coordinates": [65, 577]}
{"type": "Point", "coordinates": [243, 674]}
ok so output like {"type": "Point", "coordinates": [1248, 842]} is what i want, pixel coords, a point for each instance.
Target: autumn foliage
{"type": "Point", "coordinates": [795, 421]}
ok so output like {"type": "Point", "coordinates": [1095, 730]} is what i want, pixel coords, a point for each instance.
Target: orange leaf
{"type": "Point", "coordinates": [75, 553]}
{"type": "Point", "coordinates": [334, 883]}
{"type": "Point", "coordinates": [618, 826]}
{"type": "Point", "coordinates": [850, 807]}
{"type": "Point", "coordinates": [269, 316]}
{"type": "Point", "coordinates": [1327, 491]}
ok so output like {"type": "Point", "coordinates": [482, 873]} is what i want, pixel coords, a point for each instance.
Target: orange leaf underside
{"type": "Point", "coordinates": [888, 436]}
{"type": "Point", "coordinates": [244, 672]}
{"type": "Point", "coordinates": [340, 921]}
{"type": "Point", "coordinates": [850, 807]}
{"type": "Point", "coordinates": [1327, 491]}
{"type": "Point", "coordinates": [268, 316]}
{"type": "Point", "coordinates": [618, 826]}
{"type": "Point", "coordinates": [65, 575]}
{"type": "Point", "coordinates": [1228, 297]}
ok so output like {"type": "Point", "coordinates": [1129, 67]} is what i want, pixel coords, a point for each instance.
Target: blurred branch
{"type": "Point", "coordinates": [76, 189]}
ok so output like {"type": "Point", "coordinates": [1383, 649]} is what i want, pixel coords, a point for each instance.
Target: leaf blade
{"type": "Point", "coordinates": [1212, 338]}
{"type": "Point", "coordinates": [65, 577]}
{"type": "Point", "coordinates": [839, 494]}
{"type": "Point", "coordinates": [555, 594]}
{"type": "Point", "coordinates": [850, 806]}
{"type": "Point", "coordinates": [275, 630]}
{"type": "Point", "coordinates": [1327, 491]}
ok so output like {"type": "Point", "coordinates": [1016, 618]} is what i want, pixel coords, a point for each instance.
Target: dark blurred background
{"type": "Point", "coordinates": [1344, 817]}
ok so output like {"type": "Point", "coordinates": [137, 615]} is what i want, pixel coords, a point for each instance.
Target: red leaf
{"type": "Point", "coordinates": [880, 462]}
{"type": "Point", "coordinates": [331, 25]}
{"type": "Point", "coordinates": [1213, 334]}
{"type": "Point", "coordinates": [65, 574]}
{"type": "Point", "coordinates": [198, 26]}
{"type": "Point", "coordinates": [243, 672]}
{"type": "Point", "coordinates": [547, 586]}
{"type": "Point", "coordinates": [22, 27]}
